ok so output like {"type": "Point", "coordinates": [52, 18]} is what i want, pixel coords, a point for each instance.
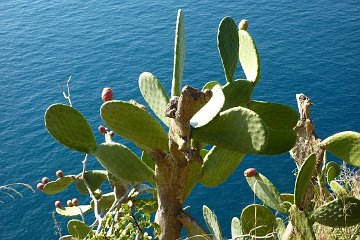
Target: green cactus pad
{"type": "Point", "coordinates": [344, 145]}
{"type": "Point", "coordinates": [301, 224]}
{"type": "Point", "coordinates": [94, 178]}
{"type": "Point", "coordinates": [341, 212]}
{"type": "Point", "coordinates": [210, 109]}
{"type": "Point", "coordinates": [337, 188]}
{"type": "Point", "coordinates": [68, 126]}
{"type": "Point", "coordinates": [228, 44]}
{"type": "Point", "coordinates": [287, 197]}
{"type": "Point", "coordinates": [73, 211]}
{"type": "Point", "coordinates": [237, 93]}
{"type": "Point", "coordinates": [218, 165]}
{"type": "Point", "coordinates": [303, 178]}
{"type": "Point", "coordinates": [249, 57]}
{"type": "Point", "coordinates": [210, 85]}
{"type": "Point", "coordinates": [147, 159]}
{"type": "Point", "coordinates": [258, 221]}
{"type": "Point", "coordinates": [212, 223]}
{"type": "Point", "coordinates": [236, 230]}
{"type": "Point", "coordinates": [281, 227]}
{"type": "Point", "coordinates": [134, 124]}
{"type": "Point", "coordinates": [193, 229]}
{"type": "Point", "coordinates": [79, 229]}
{"type": "Point", "coordinates": [193, 177]}
{"type": "Point", "coordinates": [332, 170]}
{"type": "Point", "coordinates": [237, 129]}
{"type": "Point", "coordinates": [58, 185]}
{"type": "Point", "coordinates": [179, 55]}
{"type": "Point", "coordinates": [66, 237]}
{"type": "Point", "coordinates": [155, 95]}
{"type": "Point", "coordinates": [105, 202]}
{"type": "Point", "coordinates": [280, 121]}
{"type": "Point", "coordinates": [266, 191]}
{"type": "Point", "coordinates": [122, 162]}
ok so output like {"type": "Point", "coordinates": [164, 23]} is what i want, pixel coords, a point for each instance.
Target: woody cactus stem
{"type": "Point", "coordinates": [171, 169]}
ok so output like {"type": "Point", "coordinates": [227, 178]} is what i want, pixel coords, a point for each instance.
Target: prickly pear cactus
{"type": "Point", "coordinates": [236, 230]}
{"type": "Point", "coordinates": [73, 211]}
{"type": "Point", "coordinates": [94, 178]}
{"type": "Point", "coordinates": [79, 229]}
{"type": "Point", "coordinates": [301, 223]}
{"type": "Point", "coordinates": [179, 55]}
{"type": "Point", "coordinates": [237, 93]}
{"type": "Point", "coordinates": [303, 178]}
{"type": "Point", "coordinates": [59, 185]}
{"type": "Point", "coordinates": [212, 223]}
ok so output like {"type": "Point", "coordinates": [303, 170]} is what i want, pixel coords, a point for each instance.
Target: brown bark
{"type": "Point", "coordinates": [171, 170]}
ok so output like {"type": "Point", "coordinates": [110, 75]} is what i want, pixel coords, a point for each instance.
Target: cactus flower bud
{"type": "Point", "coordinates": [107, 94]}
{"type": "Point", "coordinates": [250, 172]}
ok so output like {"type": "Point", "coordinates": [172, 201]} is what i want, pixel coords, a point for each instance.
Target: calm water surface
{"type": "Point", "coordinates": [305, 46]}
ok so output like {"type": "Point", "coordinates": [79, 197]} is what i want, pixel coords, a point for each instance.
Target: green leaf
{"type": "Point", "coordinates": [218, 165]}
{"type": "Point", "coordinates": [155, 95]}
{"type": "Point", "coordinates": [73, 211]}
{"type": "Point", "coordinates": [58, 185]}
{"type": "Point", "coordinates": [228, 44]}
{"type": "Point", "coordinates": [236, 129]}
{"type": "Point", "coordinates": [79, 229]}
{"type": "Point", "coordinates": [212, 223]}
{"type": "Point", "coordinates": [237, 93]}
{"type": "Point", "coordinates": [122, 162]}
{"type": "Point", "coordinates": [303, 178]}
{"type": "Point", "coordinates": [249, 57]}
{"type": "Point", "coordinates": [265, 190]}
{"type": "Point", "coordinates": [344, 145]}
{"type": "Point", "coordinates": [68, 126]}
{"type": "Point", "coordinates": [258, 221]}
{"type": "Point", "coordinates": [94, 178]}
{"type": "Point", "coordinates": [134, 124]}
{"type": "Point", "coordinates": [179, 55]}
{"type": "Point", "coordinates": [210, 109]}
{"type": "Point", "coordinates": [341, 212]}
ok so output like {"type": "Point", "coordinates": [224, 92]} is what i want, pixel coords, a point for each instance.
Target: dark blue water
{"type": "Point", "coordinates": [306, 46]}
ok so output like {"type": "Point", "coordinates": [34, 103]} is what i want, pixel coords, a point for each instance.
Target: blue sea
{"type": "Point", "coordinates": [311, 47]}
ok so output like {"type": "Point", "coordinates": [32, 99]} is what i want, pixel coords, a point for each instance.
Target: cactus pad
{"type": "Point", "coordinates": [280, 121]}
{"type": "Point", "coordinates": [155, 95]}
{"type": "Point", "coordinates": [68, 126]}
{"type": "Point", "coordinates": [301, 224]}
{"type": "Point", "coordinates": [344, 145]}
{"type": "Point", "coordinates": [122, 162]}
{"type": "Point", "coordinates": [147, 159]}
{"type": "Point", "coordinates": [73, 211]}
{"type": "Point", "coordinates": [236, 129]}
{"type": "Point", "coordinates": [258, 221]}
{"type": "Point", "coordinates": [105, 202]}
{"type": "Point", "coordinates": [280, 229]}
{"type": "Point", "coordinates": [266, 191]}
{"type": "Point", "coordinates": [58, 185]}
{"type": "Point", "coordinates": [94, 178]}
{"type": "Point", "coordinates": [228, 44]}
{"type": "Point", "coordinates": [287, 197]}
{"type": "Point", "coordinates": [236, 230]}
{"type": "Point", "coordinates": [134, 124]}
{"type": "Point", "coordinates": [210, 109]}
{"type": "Point", "coordinates": [303, 178]}
{"type": "Point", "coordinates": [78, 229]}
{"type": "Point", "coordinates": [332, 170]}
{"type": "Point", "coordinates": [342, 212]}
{"type": "Point", "coordinates": [218, 165]}
{"type": "Point", "coordinates": [193, 229]}
{"type": "Point", "coordinates": [193, 177]}
{"type": "Point", "coordinates": [337, 188]}
{"type": "Point", "coordinates": [210, 85]}
{"type": "Point", "coordinates": [212, 223]}
{"type": "Point", "coordinates": [237, 93]}
{"type": "Point", "coordinates": [249, 57]}
{"type": "Point", "coordinates": [179, 55]}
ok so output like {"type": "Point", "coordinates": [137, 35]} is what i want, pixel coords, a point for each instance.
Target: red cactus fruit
{"type": "Point", "coordinates": [107, 94]}
{"type": "Point", "coordinates": [45, 180]}
{"type": "Point", "coordinates": [250, 172]}
{"type": "Point", "coordinates": [69, 203]}
{"type": "Point", "coordinates": [40, 186]}
{"type": "Point", "coordinates": [75, 202]}
{"type": "Point", "coordinates": [102, 129]}
{"type": "Point", "coordinates": [59, 173]}
{"type": "Point", "coordinates": [58, 204]}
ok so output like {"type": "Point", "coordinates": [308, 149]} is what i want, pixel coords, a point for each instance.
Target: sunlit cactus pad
{"type": "Point", "coordinates": [122, 162]}
{"type": "Point", "coordinates": [179, 55]}
{"type": "Point", "coordinates": [155, 95]}
{"type": "Point", "coordinates": [69, 127]}
{"type": "Point", "coordinates": [218, 165]}
{"type": "Point", "coordinates": [237, 129]}
{"type": "Point", "coordinates": [58, 185]}
{"type": "Point", "coordinates": [78, 229]}
{"type": "Point", "coordinates": [73, 211]}
{"type": "Point", "coordinates": [237, 93]}
{"type": "Point", "coordinates": [228, 44]}
{"type": "Point", "coordinates": [94, 178]}
{"type": "Point", "coordinates": [134, 124]}
{"type": "Point", "coordinates": [332, 171]}
{"type": "Point", "coordinates": [212, 223]}
{"type": "Point", "coordinates": [105, 202]}
{"type": "Point", "coordinates": [303, 178]}
{"type": "Point", "coordinates": [342, 212]}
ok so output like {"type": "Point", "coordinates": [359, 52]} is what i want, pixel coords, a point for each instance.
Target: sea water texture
{"type": "Point", "coordinates": [305, 46]}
